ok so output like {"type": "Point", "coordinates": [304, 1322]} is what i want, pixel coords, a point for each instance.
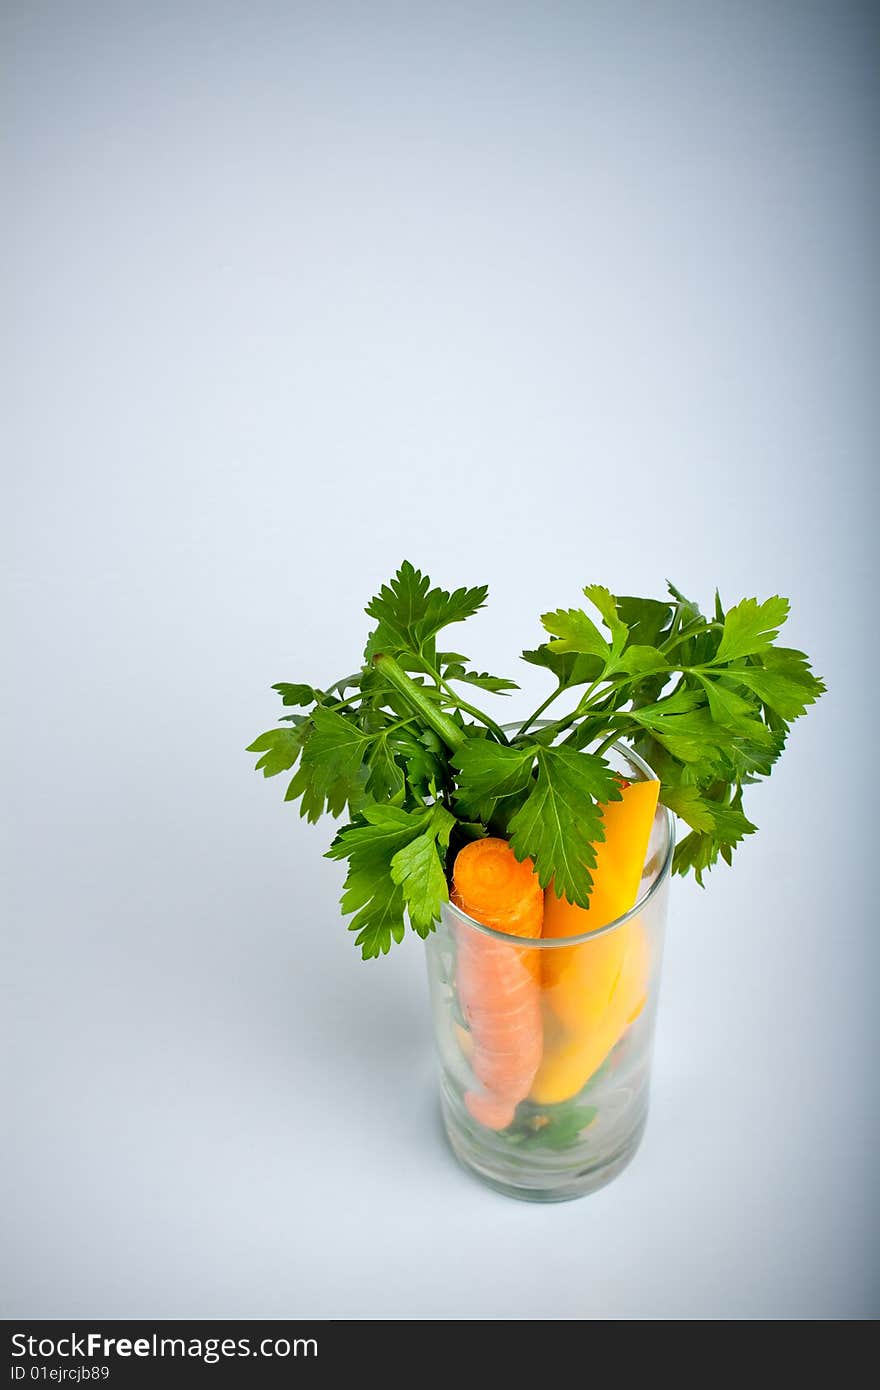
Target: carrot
{"type": "Point", "coordinates": [498, 985]}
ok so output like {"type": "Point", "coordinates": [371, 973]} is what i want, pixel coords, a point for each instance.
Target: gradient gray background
{"type": "Point", "coordinates": [534, 294]}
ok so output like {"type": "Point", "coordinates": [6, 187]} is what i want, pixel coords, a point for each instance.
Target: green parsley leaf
{"type": "Point", "coordinates": [369, 845]}
{"type": "Point", "coordinates": [489, 772]}
{"type": "Point", "coordinates": [498, 685]}
{"type": "Point", "coordinates": [280, 749]}
{"type": "Point", "coordinates": [751, 627]}
{"type": "Point", "coordinates": [410, 613]}
{"type": "Point", "coordinates": [560, 821]}
{"type": "Point", "coordinates": [695, 854]}
{"type": "Point", "coordinates": [648, 619]}
{"type": "Point", "coordinates": [329, 776]}
{"type": "Point", "coordinates": [687, 802]}
{"type": "Point", "coordinates": [559, 1131]}
{"type": "Point", "coordinates": [699, 739]}
{"type": "Point", "coordinates": [785, 683]}
{"type": "Point", "coordinates": [688, 611]}
{"type": "Point", "coordinates": [569, 668]}
{"type": "Point", "coordinates": [393, 863]}
{"type": "Point", "coordinates": [607, 606]}
{"type": "Point", "coordinates": [723, 822]}
{"type": "Point", "coordinates": [419, 870]}
{"type": "Point", "coordinates": [641, 661]}
{"type": "Point", "coordinates": [386, 781]}
{"type": "Point", "coordinates": [424, 763]}
{"type": "Point", "coordinates": [719, 826]}
{"type": "Point", "coordinates": [574, 631]}
{"type": "Point", "coordinates": [725, 705]}
{"type": "Point", "coordinates": [297, 694]}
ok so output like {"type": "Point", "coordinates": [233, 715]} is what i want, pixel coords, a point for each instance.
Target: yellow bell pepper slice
{"type": "Point", "coordinates": [571, 1058]}
{"type": "Point", "coordinates": [588, 997]}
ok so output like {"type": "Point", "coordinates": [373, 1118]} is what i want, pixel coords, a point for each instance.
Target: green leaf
{"type": "Point", "coordinates": [739, 727]}
{"type": "Point", "coordinates": [748, 759]}
{"type": "Point", "coordinates": [785, 683]}
{"type": "Point", "coordinates": [386, 780]}
{"type": "Point", "coordinates": [498, 685]}
{"type": "Point", "coordinates": [410, 613]}
{"type": "Point", "coordinates": [378, 926]}
{"type": "Point", "coordinates": [689, 611]}
{"type": "Point", "coordinates": [722, 821]}
{"type": "Point", "coordinates": [682, 701]}
{"type": "Point", "coordinates": [574, 631]}
{"type": "Point", "coordinates": [725, 706]}
{"type": "Point", "coordinates": [647, 619]}
{"type": "Point", "coordinates": [369, 845]}
{"type": "Point", "coordinates": [488, 772]}
{"type": "Point", "coordinates": [607, 606]}
{"type": "Point", "coordinates": [338, 688]}
{"type": "Point", "coordinates": [795, 665]}
{"type": "Point", "coordinates": [559, 1134]}
{"type": "Point", "coordinates": [394, 864]}
{"type": "Point", "coordinates": [329, 775]}
{"type": "Point", "coordinates": [468, 830]}
{"type": "Point", "coordinates": [556, 1127]}
{"type": "Point", "coordinates": [751, 627]}
{"type": "Point", "coordinates": [560, 821]}
{"type": "Point", "coordinates": [719, 826]}
{"type": "Point", "coordinates": [423, 758]}
{"type": "Point", "coordinates": [693, 736]}
{"type": "Point", "coordinates": [377, 834]}
{"type": "Point", "coordinates": [442, 609]}
{"type": "Point", "coordinates": [280, 749]}
{"type": "Point", "coordinates": [419, 870]}
{"type": "Point", "coordinates": [297, 694]}
{"type": "Point", "coordinates": [687, 802]}
{"type": "Point", "coordinates": [695, 854]}
{"type": "Point", "coordinates": [569, 668]}
{"type": "Point", "coordinates": [641, 661]}
{"type": "Point", "coordinates": [401, 603]}
{"type": "Point", "coordinates": [731, 826]}
{"type": "Point", "coordinates": [606, 603]}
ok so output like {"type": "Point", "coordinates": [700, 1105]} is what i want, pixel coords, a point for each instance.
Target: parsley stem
{"type": "Point", "coordinates": [606, 743]}
{"type": "Point", "coordinates": [415, 696]}
{"type": "Point", "coordinates": [477, 714]}
{"type": "Point", "coordinates": [540, 710]}
{"type": "Point", "coordinates": [585, 704]}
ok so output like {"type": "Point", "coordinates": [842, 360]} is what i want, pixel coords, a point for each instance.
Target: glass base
{"type": "Point", "coordinates": [555, 1177]}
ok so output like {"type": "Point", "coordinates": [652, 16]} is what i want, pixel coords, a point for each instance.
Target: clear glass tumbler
{"type": "Point", "coordinates": [571, 1109]}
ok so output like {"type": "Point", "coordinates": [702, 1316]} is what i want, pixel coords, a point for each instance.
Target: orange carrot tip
{"type": "Point", "coordinates": [496, 888]}
{"type": "Point", "coordinates": [491, 1111]}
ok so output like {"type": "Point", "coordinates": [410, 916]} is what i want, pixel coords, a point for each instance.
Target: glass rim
{"type": "Point", "coordinates": [556, 943]}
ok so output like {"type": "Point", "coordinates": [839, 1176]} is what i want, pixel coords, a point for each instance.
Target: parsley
{"type": "Point", "coordinates": [560, 820]}
{"type": "Point", "coordinates": [395, 862]}
{"type": "Point", "coordinates": [417, 769]}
